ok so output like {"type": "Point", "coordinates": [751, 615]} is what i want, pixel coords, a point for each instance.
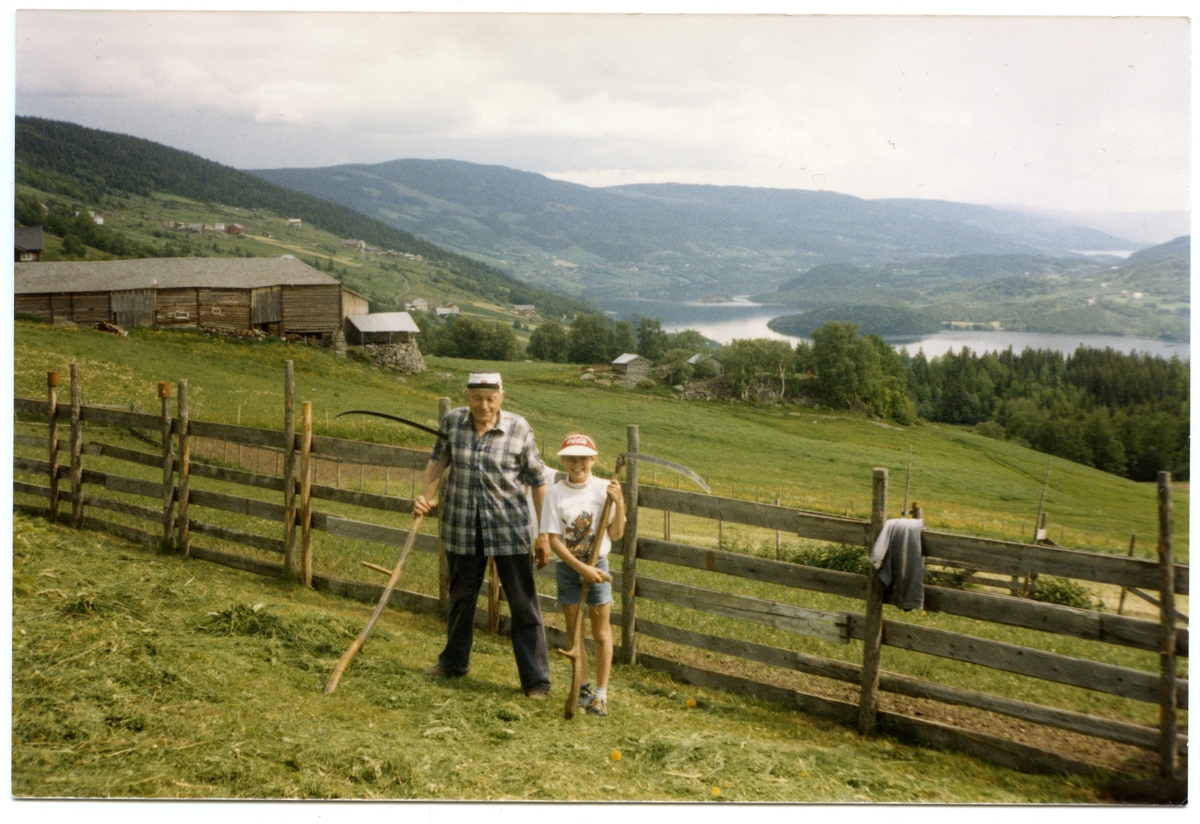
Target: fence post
{"type": "Point", "coordinates": [443, 563]}
{"type": "Point", "coordinates": [184, 540]}
{"type": "Point", "coordinates": [306, 427]}
{"type": "Point", "coordinates": [868, 704]}
{"type": "Point", "coordinates": [168, 464]}
{"type": "Point", "coordinates": [52, 443]}
{"type": "Point", "coordinates": [291, 569]}
{"type": "Point", "coordinates": [1168, 756]}
{"type": "Point", "coordinates": [76, 447]}
{"type": "Point", "coordinates": [629, 561]}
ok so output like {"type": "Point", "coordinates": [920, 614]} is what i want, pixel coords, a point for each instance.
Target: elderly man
{"type": "Point", "coordinates": [493, 458]}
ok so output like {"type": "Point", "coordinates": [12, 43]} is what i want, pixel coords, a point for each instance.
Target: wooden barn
{"type": "Point", "coordinates": [381, 328]}
{"type": "Point", "coordinates": [280, 295]}
{"type": "Point", "coordinates": [633, 367]}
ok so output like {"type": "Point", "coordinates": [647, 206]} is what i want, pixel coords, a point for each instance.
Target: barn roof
{"type": "Point", "coordinates": [27, 238]}
{"type": "Point", "coordinates": [384, 322]}
{"type": "Point", "coordinates": [170, 273]}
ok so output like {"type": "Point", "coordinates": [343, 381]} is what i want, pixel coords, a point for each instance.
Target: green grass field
{"type": "Point", "coordinates": [966, 483]}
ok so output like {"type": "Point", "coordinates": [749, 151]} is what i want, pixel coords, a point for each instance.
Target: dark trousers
{"type": "Point", "coordinates": [528, 632]}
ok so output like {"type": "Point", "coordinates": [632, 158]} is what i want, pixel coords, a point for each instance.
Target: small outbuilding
{"type": "Point", "coordinates": [634, 367]}
{"type": "Point", "coordinates": [381, 327]}
{"type": "Point", "coordinates": [28, 241]}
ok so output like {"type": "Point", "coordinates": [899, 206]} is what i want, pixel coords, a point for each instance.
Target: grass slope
{"type": "Point", "coordinates": [137, 674]}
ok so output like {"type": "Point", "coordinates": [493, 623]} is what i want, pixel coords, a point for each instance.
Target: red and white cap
{"type": "Point", "coordinates": [578, 444]}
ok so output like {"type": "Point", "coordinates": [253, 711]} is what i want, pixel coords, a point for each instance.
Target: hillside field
{"type": "Point", "coordinates": [233, 664]}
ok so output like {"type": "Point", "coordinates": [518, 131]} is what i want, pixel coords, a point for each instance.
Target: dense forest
{"type": "Point", "coordinates": [90, 164]}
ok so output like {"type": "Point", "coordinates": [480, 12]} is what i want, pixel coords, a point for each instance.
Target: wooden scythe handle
{"type": "Point", "coordinates": [578, 651]}
{"type": "Point", "coordinates": [344, 661]}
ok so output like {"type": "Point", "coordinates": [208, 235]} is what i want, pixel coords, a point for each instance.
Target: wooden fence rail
{"type": "Point", "coordinates": [175, 497]}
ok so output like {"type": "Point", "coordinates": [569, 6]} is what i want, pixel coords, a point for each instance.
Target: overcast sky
{"type": "Point", "coordinates": [1056, 112]}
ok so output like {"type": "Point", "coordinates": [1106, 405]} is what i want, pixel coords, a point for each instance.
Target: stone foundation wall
{"type": "Point", "coordinates": [403, 357]}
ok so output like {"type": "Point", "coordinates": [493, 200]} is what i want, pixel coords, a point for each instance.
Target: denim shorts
{"type": "Point", "coordinates": [569, 584]}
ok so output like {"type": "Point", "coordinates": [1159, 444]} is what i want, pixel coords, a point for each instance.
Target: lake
{"type": "Point", "coordinates": [742, 318]}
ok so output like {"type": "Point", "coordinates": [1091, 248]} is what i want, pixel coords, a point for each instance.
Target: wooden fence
{"type": "Point", "coordinates": [178, 518]}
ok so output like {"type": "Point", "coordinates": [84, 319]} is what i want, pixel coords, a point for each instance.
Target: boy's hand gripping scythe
{"type": "Point", "coordinates": [578, 651]}
{"type": "Point", "coordinates": [342, 663]}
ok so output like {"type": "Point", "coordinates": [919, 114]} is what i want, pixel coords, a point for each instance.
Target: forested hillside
{"type": "Point", "coordinates": [668, 240]}
{"type": "Point", "coordinates": [1148, 296]}
{"type": "Point", "coordinates": [90, 166]}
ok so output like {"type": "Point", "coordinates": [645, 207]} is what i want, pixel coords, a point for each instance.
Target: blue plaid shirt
{"type": "Point", "coordinates": [487, 480]}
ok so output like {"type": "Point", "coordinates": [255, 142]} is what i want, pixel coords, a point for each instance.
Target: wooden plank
{"type": "Point", "coordinates": [31, 465]}
{"type": "Point", "coordinates": [52, 445]}
{"type": "Point", "coordinates": [378, 454]}
{"type": "Point", "coordinates": [1120, 731]}
{"type": "Point", "coordinates": [35, 441]}
{"type": "Point", "coordinates": [32, 406]}
{"type": "Point", "coordinates": [1009, 558]}
{"type": "Point", "coordinates": [846, 584]}
{"type": "Point", "coordinates": [306, 479]}
{"type": "Point", "coordinates": [238, 537]}
{"type": "Point", "coordinates": [76, 447]}
{"type": "Point", "coordinates": [828, 626]}
{"type": "Point", "coordinates": [368, 500]}
{"type": "Point", "coordinates": [1168, 702]}
{"type": "Point", "coordinates": [182, 541]}
{"type": "Point", "coordinates": [1060, 620]}
{"type": "Point", "coordinates": [233, 561]}
{"type": "Point", "coordinates": [31, 489]}
{"type": "Point", "coordinates": [120, 417]}
{"type": "Point", "coordinates": [122, 454]}
{"type": "Point", "coordinates": [773, 656]}
{"type": "Point", "coordinates": [1048, 666]}
{"type": "Point", "coordinates": [235, 503]}
{"type": "Point", "coordinates": [839, 711]}
{"type": "Point", "coordinates": [369, 593]}
{"type": "Point", "coordinates": [236, 476]}
{"type": "Point", "coordinates": [168, 463]}
{"type": "Point", "coordinates": [123, 508]}
{"type": "Point", "coordinates": [119, 483]}
{"type": "Point", "coordinates": [244, 435]}
{"type": "Point", "coordinates": [129, 533]}
{"type": "Point", "coordinates": [868, 704]}
{"type": "Point", "coordinates": [291, 563]}
{"type": "Point", "coordinates": [1112, 730]}
{"type": "Point", "coordinates": [627, 654]}
{"type": "Point", "coordinates": [990, 748]}
{"type": "Point", "coordinates": [361, 531]}
{"type": "Point", "coordinates": [818, 527]}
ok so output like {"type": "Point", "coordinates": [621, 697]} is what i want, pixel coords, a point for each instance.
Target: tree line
{"type": "Point", "coordinates": [1126, 414]}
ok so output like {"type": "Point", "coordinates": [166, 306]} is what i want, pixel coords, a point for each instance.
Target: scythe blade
{"type": "Point", "coordinates": [682, 470]}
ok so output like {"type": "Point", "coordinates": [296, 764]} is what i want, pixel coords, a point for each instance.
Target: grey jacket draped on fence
{"type": "Point", "coordinates": [897, 556]}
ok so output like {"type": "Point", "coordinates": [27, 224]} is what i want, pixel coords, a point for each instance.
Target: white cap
{"type": "Point", "coordinates": [485, 380]}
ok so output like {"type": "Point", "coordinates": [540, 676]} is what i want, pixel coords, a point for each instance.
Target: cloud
{"type": "Point", "coordinates": [1061, 112]}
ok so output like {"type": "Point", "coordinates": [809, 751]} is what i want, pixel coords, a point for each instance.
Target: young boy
{"type": "Point", "coordinates": [569, 516]}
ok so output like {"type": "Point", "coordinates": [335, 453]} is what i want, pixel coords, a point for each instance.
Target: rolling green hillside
{"type": "Point", "coordinates": [821, 461]}
{"type": "Point", "coordinates": [137, 185]}
{"type": "Point", "coordinates": [668, 240]}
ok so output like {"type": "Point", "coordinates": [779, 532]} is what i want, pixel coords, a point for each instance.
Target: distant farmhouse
{"type": "Point", "coordinates": [293, 221]}
{"type": "Point", "coordinates": [633, 367]}
{"type": "Point", "coordinates": [280, 296]}
{"type": "Point", "coordinates": [28, 243]}
{"type": "Point", "coordinates": [526, 309]}
{"type": "Point", "coordinates": [417, 305]}
{"type": "Point", "coordinates": [447, 310]}
{"type": "Point", "coordinates": [235, 229]}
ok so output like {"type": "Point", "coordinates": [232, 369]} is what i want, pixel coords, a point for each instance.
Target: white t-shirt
{"type": "Point", "coordinates": [572, 510]}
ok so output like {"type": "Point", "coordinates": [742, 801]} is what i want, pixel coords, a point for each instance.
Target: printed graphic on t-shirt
{"type": "Point", "coordinates": [577, 534]}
